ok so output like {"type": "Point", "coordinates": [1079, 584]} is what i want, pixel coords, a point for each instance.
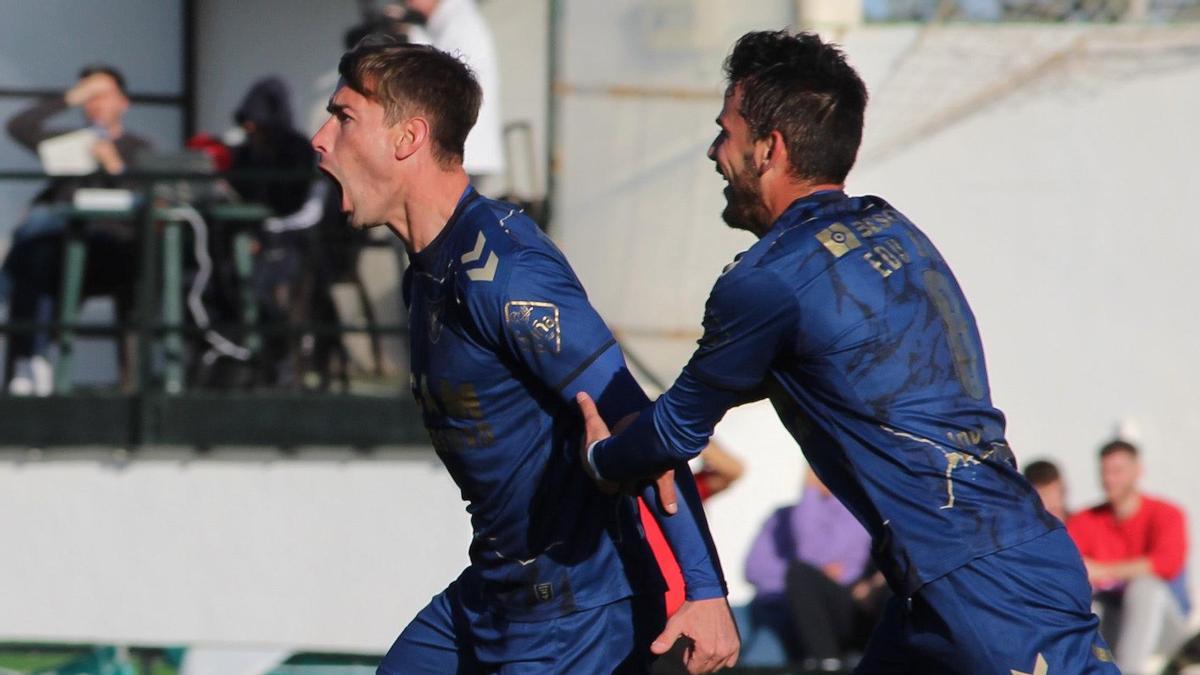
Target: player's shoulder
{"type": "Point", "coordinates": [823, 237]}
{"type": "Point", "coordinates": [498, 245]}
{"type": "Point", "coordinates": [1162, 508]}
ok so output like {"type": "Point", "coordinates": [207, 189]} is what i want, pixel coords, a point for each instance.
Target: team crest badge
{"type": "Point", "coordinates": [534, 326]}
{"type": "Point", "coordinates": [838, 239]}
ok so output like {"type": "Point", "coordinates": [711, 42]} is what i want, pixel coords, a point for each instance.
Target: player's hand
{"type": "Point", "coordinates": [594, 429]}
{"type": "Point", "coordinates": [664, 487]}
{"type": "Point", "coordinates": [708, 626]}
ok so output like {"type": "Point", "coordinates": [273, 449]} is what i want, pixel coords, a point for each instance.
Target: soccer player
{"type": "Point", "coordinates": [502, 339]}
{"type": "Point", "coordinates": [845, 315]}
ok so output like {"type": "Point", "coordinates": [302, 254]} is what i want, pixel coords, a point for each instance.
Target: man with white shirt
{"type": "Point", "coordinates": [457, 27]}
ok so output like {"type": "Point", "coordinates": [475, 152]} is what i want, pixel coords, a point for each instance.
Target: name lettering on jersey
{"type": "Point", "coordinates": [534, 326]}
{"type": "Point", "coordinates": [460, 403]}
{"type": "Point", "coordinates": [488, 271]}
{"type": "Point", "coordinates": [838, 239]}
{"type": "Point", "coordinates": [875, 223]}
{"type": "Point", "coordinates": [887, 257]}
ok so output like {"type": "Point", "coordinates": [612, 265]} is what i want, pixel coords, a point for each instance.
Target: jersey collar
{"type": "Point", "coordinates": [427, 257]}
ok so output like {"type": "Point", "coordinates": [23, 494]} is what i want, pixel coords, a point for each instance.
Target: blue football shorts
{"type": "Point", "coordinates": [1024, 609]}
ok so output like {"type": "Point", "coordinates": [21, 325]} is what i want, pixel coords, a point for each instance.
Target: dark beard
{"type": "Point", "coordinates": [744, 207]}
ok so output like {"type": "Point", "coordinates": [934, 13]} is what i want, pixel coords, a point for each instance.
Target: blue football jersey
{"type": "Point", "coordinates": [849, 320]}
{"type": "Point", "coordinates": [502, 338]}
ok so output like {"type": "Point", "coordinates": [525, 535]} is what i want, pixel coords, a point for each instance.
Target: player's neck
{"type": "Point", "coordinates": [780, 199]}
{"type": "Point", "coordinates": [430, 203]}
{"type": "Point", "coordinates": [1127, 506]}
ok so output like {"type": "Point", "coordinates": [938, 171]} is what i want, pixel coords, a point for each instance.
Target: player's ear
{"type": "Point", "coordinates": [413, 134]}
{"type": "Point", "coordinates": [768, 151]}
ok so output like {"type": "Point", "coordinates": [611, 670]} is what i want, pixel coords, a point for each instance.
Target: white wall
{"type": "Point", "coordinates": [331, 551]}
{"type": "Point", "coordinates": [1057, 186]}
{"type": "Point", "coordinates": [298, 41]}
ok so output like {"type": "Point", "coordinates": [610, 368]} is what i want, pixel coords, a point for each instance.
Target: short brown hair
{"type": "Point", "coordinates": [804, 88]}
{"type": "Point", "coordinates": [1041, 473]}
{"type": "Point", "coordinates": [411, 79]}
{"type": "Point", "coordinates": [1116, 446]}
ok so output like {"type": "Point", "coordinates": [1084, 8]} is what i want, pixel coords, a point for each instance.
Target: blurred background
{"type": "Point", "coordinates": [209, 458]}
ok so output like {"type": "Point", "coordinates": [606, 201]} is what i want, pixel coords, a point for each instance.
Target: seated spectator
{"type": "Point", "coordinates": [1134, 547]}
{"type": "Point", "coordinates": [1046, 479]}
{"type": "Point", "coordinates": [809, 567]}
{"type": "Point", "coordinates": [34, 263]}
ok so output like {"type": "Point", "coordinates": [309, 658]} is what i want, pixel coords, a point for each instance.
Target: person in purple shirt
{"type": "Point", "coordinates": [809, 567]}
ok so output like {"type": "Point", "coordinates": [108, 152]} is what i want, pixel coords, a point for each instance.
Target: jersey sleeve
{"type": "Point", "coordinates": [749, 316]}
{"type": "Point", "coordinates": [544, 320]}
{"type": "Point", "coordinates": [687, 534]}
{"type": "Point", "coordinates": [547, 324]}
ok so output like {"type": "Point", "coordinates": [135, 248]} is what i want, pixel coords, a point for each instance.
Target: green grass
{"type": "Point", "coordinates": [35, 659]}
{"type": "Point", "coordinates": [38, 658]}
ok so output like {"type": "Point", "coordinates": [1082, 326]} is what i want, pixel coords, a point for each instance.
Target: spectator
{"type": "Point", "coordinates": [1047, 480]}
{"type": "Point", "coordinates": [287, 269]}
{"type": "Point", "coordinates": [809, 568]}
{"type": "Point", "coordinates": [1134, 547]}
{"type": "Point", "coordinates": [34, 264]}
{"type": "Point", "coordinates": [457, 27]}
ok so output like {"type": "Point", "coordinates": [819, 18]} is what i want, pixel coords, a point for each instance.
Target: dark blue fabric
{"type": "Point", "coordinates": [849, 320]}
{"type": "Point", "coordinates": [997, 614]}
{"type": "Point", "coordinates": [503, 337]}
{"type": "Point", "coordinates": [455, 634]}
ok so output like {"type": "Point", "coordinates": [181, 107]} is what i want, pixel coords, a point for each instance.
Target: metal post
{"type": "Point", "coordinates": [243, 258]}
{"type": "Point", "coordinates": [75, 257]}
{"type": "Point", "coordinates": [172, 307]}
{"type": "Point", "coordinates": [552, 110]}
{"type": "Point", "coordinates": [143, 410]}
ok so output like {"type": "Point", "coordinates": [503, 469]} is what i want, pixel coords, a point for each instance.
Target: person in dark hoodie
{"type": "Point", "coordinates": [282, 285]}
{"type": "Point", "coordinates": [272, 142]}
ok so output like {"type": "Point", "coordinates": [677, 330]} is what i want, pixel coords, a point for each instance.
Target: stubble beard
{"type": "Point", "coordinates": [744, 206]}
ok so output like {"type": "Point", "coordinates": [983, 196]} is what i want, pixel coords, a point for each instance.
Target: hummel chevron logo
{"type": "Point", "coordinates": [473, 255]}
{"type": "Point", "coordinates": [488, 271]}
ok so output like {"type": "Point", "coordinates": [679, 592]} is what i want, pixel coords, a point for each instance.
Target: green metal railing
{"type": "Point", "coordinates": [157, 406]}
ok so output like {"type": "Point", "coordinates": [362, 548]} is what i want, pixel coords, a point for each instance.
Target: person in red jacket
{"type": "Point", "coordinates": [1135, 548]}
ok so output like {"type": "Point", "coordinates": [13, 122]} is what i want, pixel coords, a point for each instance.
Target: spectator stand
{"type": "Point", "coordinates": [155, 404]}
